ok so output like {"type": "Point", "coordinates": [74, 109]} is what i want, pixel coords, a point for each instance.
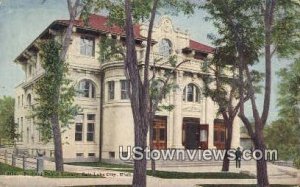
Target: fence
{"type": "Point", "coordinates": [23, 161]}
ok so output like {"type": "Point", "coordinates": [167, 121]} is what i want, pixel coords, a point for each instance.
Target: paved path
{"type": "Point", "coordinates": [24, 181]}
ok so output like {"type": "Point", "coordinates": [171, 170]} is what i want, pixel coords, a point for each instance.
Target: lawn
{"type": "Point", "coordinates": [6, 169]}
{"type": "Point", "coordinates": [241, 185]}
{"type": "Point", "coordinates": [101, 164]}
{"type": "Point", "coordinates": [197, 175]}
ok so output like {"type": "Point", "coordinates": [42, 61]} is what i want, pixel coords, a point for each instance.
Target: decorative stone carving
{"type": "Point", "coordinates": [191, 109]}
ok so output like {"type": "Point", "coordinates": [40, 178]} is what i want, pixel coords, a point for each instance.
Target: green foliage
{"type": "Point", "coordinates": [8, 126]}
{"type": "Point", "coordinates": [54, 90]}
{"type": "Point", "coordinates": [283, 134]}
{"type": "Point", "coordinates": [140, 9]}
{"type": "Point", "coordinates": [110, 49]}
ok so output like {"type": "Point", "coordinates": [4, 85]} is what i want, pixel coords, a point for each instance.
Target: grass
{"type": "Point", "coordinates": [103, 186]}
{"type": "Point", "coordinates": [100, 164]}
{"type": "Point", "coordinates": [6, 169]}
{"type": "Point", "coordinates": [197, 175]}
{"type": "Point", "coordinates": [241, 185]}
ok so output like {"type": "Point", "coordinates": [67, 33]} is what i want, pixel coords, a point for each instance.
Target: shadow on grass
{"type": "Point", "coordinates": [197, 175]}
{"type": "Point", "coordinates": [6, 169]}
{"type": "Point", "coordinates": [100, 164]}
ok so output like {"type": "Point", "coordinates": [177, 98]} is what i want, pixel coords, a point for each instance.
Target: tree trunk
{"type": "Point", "coordinates": [226, 161]}
{"type": "Point", "coordinates": [140, 166]}
{"type": "Point", "coordinates": [261, 165]}
{"type": "Point", "coordinates": [58, 152]}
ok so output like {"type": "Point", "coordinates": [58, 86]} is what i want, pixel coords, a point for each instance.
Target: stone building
{"type": "Point", "coordinates": [106, 121]}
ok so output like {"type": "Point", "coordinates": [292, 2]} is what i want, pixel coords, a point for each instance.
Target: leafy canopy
{"type": "Point", "coordinates": [51, 85]}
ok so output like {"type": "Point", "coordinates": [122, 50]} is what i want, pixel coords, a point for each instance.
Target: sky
{"type": "Point", "coordinates": [21, 21]}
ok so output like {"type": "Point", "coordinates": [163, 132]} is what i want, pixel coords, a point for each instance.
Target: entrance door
{"type": "Point", "coordinates": [159, 139]}
{"type": "Point", "coordinates": [204, 136]}
{"type": "Point", "coordinates": [219, 134]}
{"type": "Point", "coordinates": [191, 133]}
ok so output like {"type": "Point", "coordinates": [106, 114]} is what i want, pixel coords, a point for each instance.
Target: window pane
{"type": "Point", "coordinates": [90, 137]}
{"type": "Point", "coordinates": [79, 127]}
{"type": "Point", "coordinates": [91, 116]}
{"type": "Point", "coordinates": [111, 90]}
{"type": "Point", "coordinates": [90, 127]}
{"type": "Point", "coordinates": [215, 136]}
{"type": "Point", "coordinates": [184, 94]}
{"type": "Point", "coordinates": [78, 136]}
{"type": "Point", "coordinates": [190, 93]}
{"type": "Point", "coordinates": [87, 46]}
{"type": "Point", "coordinates": [78, 132]}
{"type": "Point", "coordinates": [222, 136]}
{"type": "Point", "coordinates": [162, 134]}
{"type": "Point", "coordinates": [124, 89]}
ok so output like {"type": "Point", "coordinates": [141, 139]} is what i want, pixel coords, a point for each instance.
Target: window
{"type": "Point", "coordinates": [91, 154]}
{"type": "Point", "coordinates": [87, 46]}
{"type": "Point", "coordinates": [191, 93]}
{"type": "Point", "coordinates": [90, 127]}
{"type": "Point", "coordinates": [91, 117]}
{"type": "Point", "coordinates": [18, 100]}
{"type": "Point", "coordinates": [78, 132]}
{"type": "Point", "coordinates": [79, 154]}
{"type": "Point", "coordinates": [111, 155]}
{"type": "Point", "coordinates": [22, 100]}
{"type": "Point", "coordinates": [111, 90]}
{"type": "Point", "coordinates": [86, 88]}
{"type": "Point", "coordinates": [165, 47]}
{"type": "Point", "coordinates": [125, 89]}
{"type": "Point", "coordinates": [29, 100]}
{"type": "Point", "coordinates": [29, 70]}
{"type": "Point", "coordinates": [90, 132]}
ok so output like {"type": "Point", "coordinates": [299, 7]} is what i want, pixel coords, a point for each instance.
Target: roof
{"type": "Point", "coordinates": [101, 23]}
{"type": "Point", "coordinates": [194, 45]}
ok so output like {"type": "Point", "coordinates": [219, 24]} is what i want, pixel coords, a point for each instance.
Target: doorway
{"type": "Point", "coordinates": [159, 138]}
{"type": "Point", "coordinates": [191, 133]}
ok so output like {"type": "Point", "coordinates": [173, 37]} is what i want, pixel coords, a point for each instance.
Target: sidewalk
{"type": "Point", "coordinates": [24, 181]}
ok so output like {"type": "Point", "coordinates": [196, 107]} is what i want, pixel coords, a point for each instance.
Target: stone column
{"type": "Point", "coordinates": [177, 118]}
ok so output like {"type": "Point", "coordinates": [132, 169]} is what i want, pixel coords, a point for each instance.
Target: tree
{"type": "Point", "coordinates": [8, 127]}
{"type": "Point", "coordinates": [126, 15]}
{"type": "Point", "coordinates": [49, 108]}
{"type": "Point", "coordinates": [283, 134]}
{"type": "Point", "coordinates": [221, 84]}
{"type": "Point", "coordinates": [50, 114]}
{"type": "Point", "coordinates": [262, 27]}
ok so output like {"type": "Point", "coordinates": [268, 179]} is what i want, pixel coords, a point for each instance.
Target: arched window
{"type": "Point", "coordinates": [86, 88]}
{"type": "Point", "coordinates": [191, 93]}
{"type": "Point", "coordinates": [165, 47]}
{"type": "Point", "coordinates": [29, 99]}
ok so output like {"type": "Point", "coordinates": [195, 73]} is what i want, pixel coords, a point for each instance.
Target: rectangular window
{"type": "Point", "coordinates": [91, 117]}
{"type": "Point", "coordinates": [111, 90]}
{"type": "Point", "coordinates": [22, 100]}
{"type": "Point", "coordinates": [87, 46]}
{"type": "Point", "coordinates": [90, 132]}
{"type": "Point", "coordinates": [124, 89]}
{"type": "Point", "coordinates": [111, 155]}
{"type": "Point", "coordinates": [79, 154]}
{"type": "Point", "coordinates": [78, 132]}
{"type": "Point", "coordinates": [90, 127]}
{"type": "Point", "coordinates": [91, 154]}
{"type": "Point", "coordinates": [18, 100]}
